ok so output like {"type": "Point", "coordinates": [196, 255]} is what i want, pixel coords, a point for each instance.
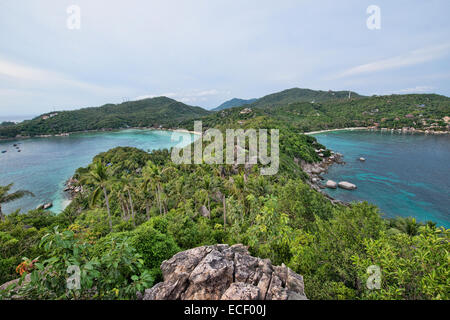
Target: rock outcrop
{"type": "Point", "coordinates": [347, 185]}
{"type": "Point", "coordinates": [223, 272]}
{"type": "Point", "coordinates": [15, 287]}
{"type": "Point", "coordinates": [204, 212]}
{"type": "Point", "coordinates": [331, 184]}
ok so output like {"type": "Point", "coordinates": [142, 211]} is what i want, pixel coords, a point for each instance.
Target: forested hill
{"type": "Point", "coordinates": [413, 111]}
{"type": "Point", "coordinates": [235, 102]}
{"type": "Point", "coordinates": [153, 112]}
{"type": "Point", "coordinates": [304, 109]}
{"type": "Point", "coordinates": [301, 95]}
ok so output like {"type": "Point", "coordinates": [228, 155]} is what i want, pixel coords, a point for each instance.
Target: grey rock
{"type": "Point", "coordinates": [205, 212]}
{"type": "Point", "coordinates": [223, 272]}
{"type": "Point", "coordinates": [48, 206]}
{"type": "Point", "coordinates": [346, 185]}
{"type": "Point", "coordinates": [331, 184]}
{"type": "Point", "coordinates": [241, 291]}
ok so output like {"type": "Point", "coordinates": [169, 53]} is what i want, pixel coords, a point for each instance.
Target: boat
{"type": "Point", "coordinates": [4, 151]}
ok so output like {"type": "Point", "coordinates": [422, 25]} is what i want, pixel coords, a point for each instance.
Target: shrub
{"type": "Point", "coordinates": [154, 246]}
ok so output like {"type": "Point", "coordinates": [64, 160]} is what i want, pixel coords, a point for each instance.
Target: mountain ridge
{"type": "Point", "coordinates": [289, 96]}
{"type": "Point", "coordinates": [150, 112]}
{"type": "Point", "coordinates": [235, 102]}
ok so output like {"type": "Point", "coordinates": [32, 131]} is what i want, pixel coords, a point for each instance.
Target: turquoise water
{"type": "Point", "coordinates": [404, 175]}
{"type": "Point", "coordinates": [44, 164]}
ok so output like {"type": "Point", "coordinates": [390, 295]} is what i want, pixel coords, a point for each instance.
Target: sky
{"type": "Point", "coordinates": [204, 52]}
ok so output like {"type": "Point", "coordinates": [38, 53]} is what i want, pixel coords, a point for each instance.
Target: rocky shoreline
{"type": "Point", "coordinates": [73, 187]}
{"type": "Point", "coordinates": [315, 171]}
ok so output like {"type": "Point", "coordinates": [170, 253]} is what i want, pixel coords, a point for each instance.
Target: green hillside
{"type": "Point", "coordinates": [418, 111]}
{"type": "Point", "coordinates": [301, 95]}
{"type": "Point", "coordinates": [154, 112]}
{"type": "Point", "coordinates": [234, 103]}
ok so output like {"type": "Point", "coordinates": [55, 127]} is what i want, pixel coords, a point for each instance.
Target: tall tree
{"type": "Point", "coordinates": [128, 187]}
{"type": "Point", "coordinates": [100, 178]}
{"type": "Point", "coordinates": [154, 175]}
{"type": "Point", "coordinates": [6, 197]}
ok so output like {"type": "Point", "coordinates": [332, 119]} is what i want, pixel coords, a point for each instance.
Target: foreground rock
{"type": "Point", "coordinates": [221, 272]}
{"type": "Point", "coordinates": [15, 287]}
{"type": "Point", "coordinates": [346, 185]}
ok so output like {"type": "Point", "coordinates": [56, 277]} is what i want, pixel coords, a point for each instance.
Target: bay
{"type": "Point", "coordinates": [44, 164]}
{"type": "Point", "coordinates": [405, 175]}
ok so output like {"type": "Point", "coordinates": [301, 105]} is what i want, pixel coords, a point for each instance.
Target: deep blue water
{"type": "Point", "coordinates": [44, 164]}
{"type": "Point", "coordinates": [404, 175]}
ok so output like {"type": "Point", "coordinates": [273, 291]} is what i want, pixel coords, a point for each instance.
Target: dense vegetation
{"type": "Point", "coordinates": [302, 109]}
{"type": "Point", "coordinates": [301, 95]}
{"type": "Point", "coordinates": [153, 208]}
{"type": "Point", "coordinates": [421, 112]}
{"type": "Point", "coordinates": [138, 209]}
{"type": "Point", "coordinates": [154, 112]}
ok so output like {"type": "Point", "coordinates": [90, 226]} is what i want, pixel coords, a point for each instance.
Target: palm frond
{"type": "Point", "coordinates": [95, 196]}
{"type": "Point", "coordinates": [15, 196]}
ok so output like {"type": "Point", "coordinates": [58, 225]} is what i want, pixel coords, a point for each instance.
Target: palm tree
{"type": "Point", "coordinates": [218, 172]}
{"type": "Point", "coordinates": [238, 188]}
{"type": "Point", "coordinates": [100, 178]}
{"type": "Point", "coordinates": [119, 193]}
{"type": "Point", "coordinates": [210, 186]}
{"type": "Point", "coordinates": [6, 197]}
{"type": "Point", "coordinates": [145, 194]}
{"type": "Point", "coordinates": [153, 174]}
{"type": "Point", "coordinates": [128, 187]}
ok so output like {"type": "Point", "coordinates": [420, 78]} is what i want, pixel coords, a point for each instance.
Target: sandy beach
{"type": "Point", "coordinates": [330, 130]}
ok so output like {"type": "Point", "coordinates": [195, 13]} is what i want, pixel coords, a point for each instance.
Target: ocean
{"type": "Point", "coordinates": [44, 164]}
{"type": "Point", "coordinates": [405, 175]}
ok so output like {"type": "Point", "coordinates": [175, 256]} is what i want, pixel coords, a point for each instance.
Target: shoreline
{"type": "Point", "coordinates": [341, 129]}
{"type": "Point", "coordinates": [66, 134]}
{"type": "Point", "coordinates": [403, 130]}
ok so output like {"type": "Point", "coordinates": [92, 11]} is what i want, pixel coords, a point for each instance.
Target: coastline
{"type": "Point", "coordinates": [331, 130]}
{"type": "Point", "coordinates": [66, 134]}
{"type": "Point", "coordinates": [403, 130]}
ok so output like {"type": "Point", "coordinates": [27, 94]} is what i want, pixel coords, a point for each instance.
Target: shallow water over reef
{"type": "Point", "coordinates": [44, 164]}
{"type": "Point", "coordinates": [404, 174]}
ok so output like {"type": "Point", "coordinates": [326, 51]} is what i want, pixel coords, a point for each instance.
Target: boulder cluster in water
{"type": "Point", "coordinates": [315, 171]}
{"type": "Point", "coordinates": [73, 187]}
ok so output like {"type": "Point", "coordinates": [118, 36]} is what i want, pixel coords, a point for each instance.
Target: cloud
{"type": "Point", "coordinates": [417, 89]}
{"type": "Point", "coordinates": [411, 58]}
{"type": "Point", "coordinates": [149, 96]}
{"type": "Point", "coordinates": [211, 92]}
{"type": "Point", "coordinates": [185, 97]}
{"type": "Point", "coordinates": [32, 76]}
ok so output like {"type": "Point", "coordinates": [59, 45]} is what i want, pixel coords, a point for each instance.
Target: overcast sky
{"type": "Point", "coordinates": [205, 52]}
